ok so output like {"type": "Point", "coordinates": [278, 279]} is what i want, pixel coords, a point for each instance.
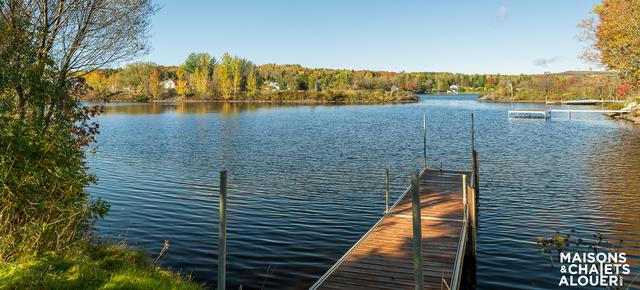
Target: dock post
{"type": "Point", "coordinates": [474, 157]}
{"type": "Point", "coordinates": [387, 195]}
{"type": "Point", "coordinates": [424, 140]}
{"type": "Point", "coordinates": [473, 134]}
{"type": "Point", "coordinates": [473, 214]}
{"type": "Point", "coordinates": [476, 182]}
{"type": "Point", "coordinates": [464, 190]}
{"type": "Point", "coordinates": [469, 267]}
{"type": "Point", "coordinates": [417, 231]}
{"type": "Point", "coordinates": [470, 197]}
{"type": "Point", "coordinates": [222, 236]}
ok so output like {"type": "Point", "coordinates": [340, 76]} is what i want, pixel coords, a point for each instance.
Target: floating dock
{"type": "Point", "coordinates": [530, 114]}
{"type": "Point", "coordinates": [386, 256]}
{"type": "Point", "coordinates": [545, 114]}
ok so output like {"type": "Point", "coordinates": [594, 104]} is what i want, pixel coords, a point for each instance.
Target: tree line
{"type": "Point", "coordinates": [202, 76]}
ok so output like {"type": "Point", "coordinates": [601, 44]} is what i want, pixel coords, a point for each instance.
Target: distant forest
{"type": "Point", "coordinates": [204, 77]}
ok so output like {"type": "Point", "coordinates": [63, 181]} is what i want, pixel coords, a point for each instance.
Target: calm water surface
{"type": "Point", "coordinates": [307, 181]}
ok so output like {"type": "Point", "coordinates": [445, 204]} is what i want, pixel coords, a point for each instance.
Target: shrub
{"type": "Point", "coordinates": [43, 202]}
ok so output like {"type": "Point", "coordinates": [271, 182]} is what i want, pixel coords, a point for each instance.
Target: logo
{"type": "Point", "coordinates": [593, 269]}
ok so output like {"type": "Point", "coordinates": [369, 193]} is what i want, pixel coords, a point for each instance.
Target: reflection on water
{"type": "Point", "coordinates": [186, 108]}
{"type": "Point", "coordinates": [182, 108]}
{"type": "Point", "coordinates": [617, 186]}
{"type": "Point", "coordinates": [307, 181]}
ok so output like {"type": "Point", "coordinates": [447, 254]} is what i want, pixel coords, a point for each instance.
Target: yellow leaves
{"type": "Point", "coordinates": [618, 37]}
{"type": "Point", "coordinates": [200, 81]}
{"type": "Point", "coordinates": [97, 81]}
{"type": "Point", "coordinates": [181, 86]}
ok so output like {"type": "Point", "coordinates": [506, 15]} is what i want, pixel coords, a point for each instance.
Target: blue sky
{"type": "Point", "coordinates": [470, 36]}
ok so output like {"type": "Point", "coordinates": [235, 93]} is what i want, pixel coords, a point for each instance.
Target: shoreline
{"type": "Point", "coordinates": [281, 97]}
{"type": "Point", "coordinates": [217, 101]}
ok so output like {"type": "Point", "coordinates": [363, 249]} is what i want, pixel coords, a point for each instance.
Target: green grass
{"type": "Point", "coordinates": [91, 267]}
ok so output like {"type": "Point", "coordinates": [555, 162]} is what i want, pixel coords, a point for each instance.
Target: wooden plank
{"type": "Point", "coordinates": [383, 258]}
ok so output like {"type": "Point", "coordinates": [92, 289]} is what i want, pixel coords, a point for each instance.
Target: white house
{"type": "Point", "coordinates": [274, 85]}
{"type": "Point", "coordinates": [168, 84]}
{"type": "Point", "coordinates": [453, 89]}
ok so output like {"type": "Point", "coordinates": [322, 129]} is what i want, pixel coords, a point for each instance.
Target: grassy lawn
{"type": "Point", "coordinates": [91, 267]}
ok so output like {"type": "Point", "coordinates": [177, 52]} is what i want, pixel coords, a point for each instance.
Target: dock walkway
{"type": "Point", "coordinates": [383, 257]}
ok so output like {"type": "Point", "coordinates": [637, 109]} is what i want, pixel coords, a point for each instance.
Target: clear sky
{"type": "Point", "coordinates": [470, 36]}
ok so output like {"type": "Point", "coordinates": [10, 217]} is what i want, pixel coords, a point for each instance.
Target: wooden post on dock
{"type": "Point", "coordinates": [424, 140]}
{"type": "Point", "coordinates": [387, 196]}
{"type": "Point", "coordinates": [464, 190]}
{"type": "Point", "coordinates": [417, 231]}
{"type": "Point", "coordinates": [470, 259]}
{"type": "Point", "coordinates": [473, 134]}
{"type": "Point", "coordinates": [476, 182]}
{"type": "Point", "coordinates": [473, 214]}
{"type": "Point", "coordinates": [474, 155]}
{"type": "Point", "coordinates": [471, 197]}
{"type": "Point", "coordinates": [222, 236]}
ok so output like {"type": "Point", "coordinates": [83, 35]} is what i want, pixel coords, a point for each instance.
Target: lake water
{"type": "Point", "coordinates": [305, 182]}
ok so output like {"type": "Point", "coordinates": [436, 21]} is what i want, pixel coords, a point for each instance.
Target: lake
{"type": "Point", "coordinates": [306, 182]}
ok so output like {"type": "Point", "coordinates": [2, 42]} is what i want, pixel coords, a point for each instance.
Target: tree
{"type": "Point", "coordinates": [181, 86]}
{"type": "Point", "coordinates": [70, 39]}
{"type": "Point", "coordinates": [588, 27]}
{"type": "Point", "coordinates": [154, 83]}
{"type": "Point", "coordinates": [45, 47]}
{"type": "Point", "coordinates": [618, 37]}
{"type": "Point", "coordinates": [199, 61]}
{"type": "Point", "coordinates": [114, 82]}
{"type": "Point", "coordinates": [252, 82]}
{"type": "Point", "coordinates": [224, 75]}
{"type": "Point", "coordinates": [200, 67]}
{"type": "Point", "coordinates": [135, 77]}
{"type": "Point", "coordinates": [236, 73]}
{"type": "Point", "coordinates": [98, 82]}
{"type": "Point", "coordinates": [200, 81]}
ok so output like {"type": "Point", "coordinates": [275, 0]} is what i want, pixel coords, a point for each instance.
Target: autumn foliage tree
{"type": "Point", "coordinates": [181, 86]}
{"type": "Point", "coordinates": [617, 37]}
{"type": "Point", "coordinates": [154, 83]}
{"type": "Point", "coordinates": [98, 82]}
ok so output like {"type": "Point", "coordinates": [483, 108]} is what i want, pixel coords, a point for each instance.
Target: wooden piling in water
{"type": "Point", "coordinates": [476, 181]}
{"type": "Point", "coordinates": [469, 268]}
{"type": "Point", "coordinates": [471, 198]}
{"type": "Point", "coordinates": [386, 211]}
{"type": "Point", "coordinates": [474, 155]}
{"type": "Point", "coordinates": [417, 231]}
{"type": "Point", "coordinates": [222, 236]}
{"type": "Point", "coordinates": [473, 134]}
{"type": "Point", "coordinates": [424, 140]}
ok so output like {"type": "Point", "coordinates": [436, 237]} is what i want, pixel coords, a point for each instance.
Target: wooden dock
{"type": "Point", "coordinates": [384, 257]}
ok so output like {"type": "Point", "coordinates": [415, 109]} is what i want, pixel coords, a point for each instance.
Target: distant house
{"type": "Point", "coordinates": [169, 84]}
{"type": "Point", "coordinates": [453, 89]}
{"type": "Point", "coordinates": [274, 85]}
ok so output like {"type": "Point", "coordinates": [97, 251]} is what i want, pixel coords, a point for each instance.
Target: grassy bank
{"type": "Point", "coordinates": [328, 96]}
{"type": "Point", "coordinates": [90, 267]}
